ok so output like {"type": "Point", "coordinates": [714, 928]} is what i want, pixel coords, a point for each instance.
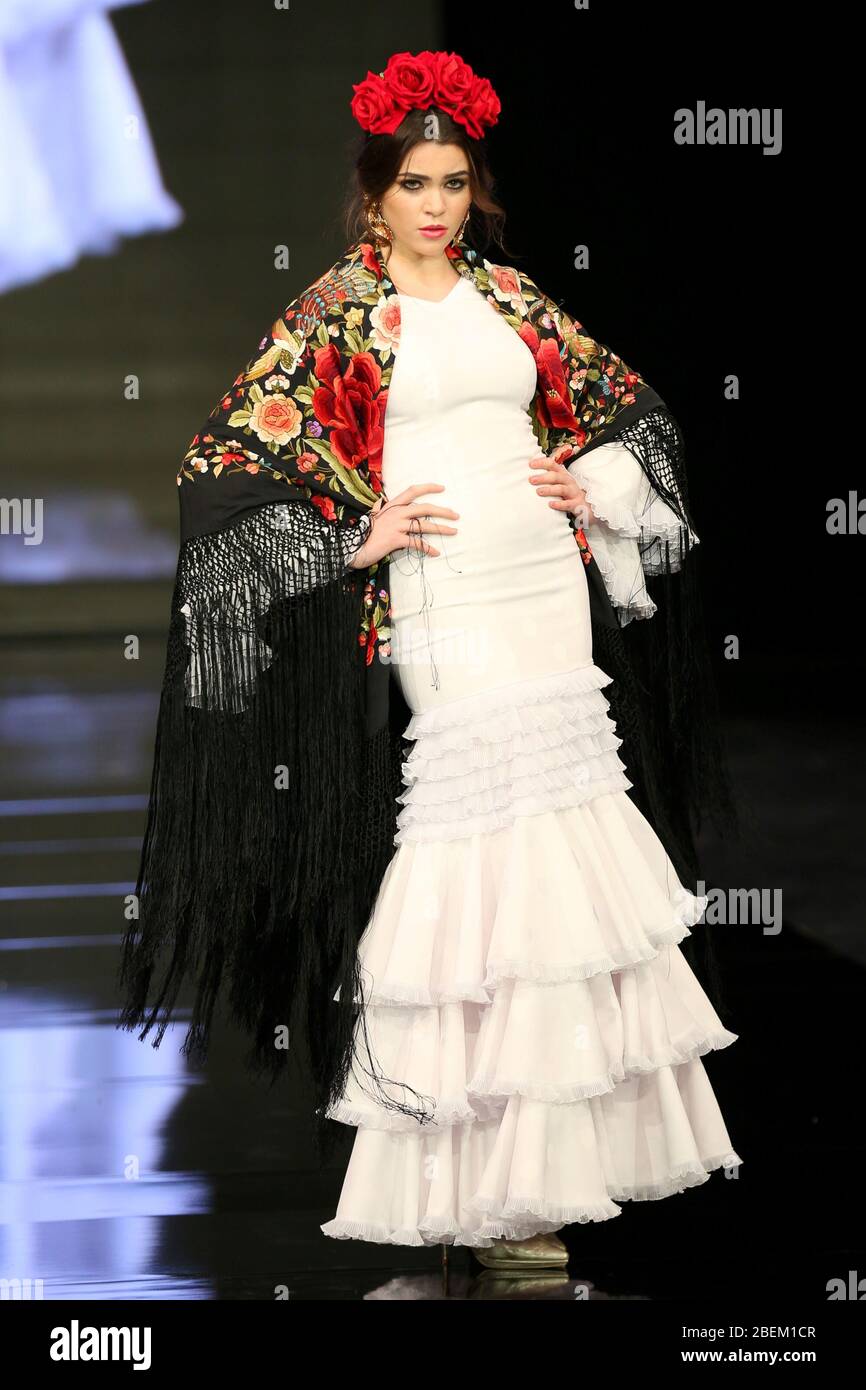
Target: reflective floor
{"type": "Point", "coordinates": [127, 1174]}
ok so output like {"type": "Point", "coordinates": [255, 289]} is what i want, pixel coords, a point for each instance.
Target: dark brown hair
{"type": "Point", "coordinates": [379, 159]}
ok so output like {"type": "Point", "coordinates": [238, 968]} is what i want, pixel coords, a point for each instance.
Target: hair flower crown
{"type": "Point", "coordinates": [412, 81]}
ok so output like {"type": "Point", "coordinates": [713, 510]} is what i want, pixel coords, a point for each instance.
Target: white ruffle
{"type": "Point", "coordinates": [537, 1166]}
{"type": "Point", "coordinates": [557, 1043]}
{"type": "Point", "coordinates": [558, 896]}
{"type": "Point", "coordinates": [481, 762]}
{"type": "Point", "coordinates": [528, 981]}
{"type": "Point", "coordinates": [634, 529]}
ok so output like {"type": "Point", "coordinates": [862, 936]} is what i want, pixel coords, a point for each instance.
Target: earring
{"type": "Point", "coordinates": [458, 238]}
{"type": "Point", "coordinates": [377, 224]}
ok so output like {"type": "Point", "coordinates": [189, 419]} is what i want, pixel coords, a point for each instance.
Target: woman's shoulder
{"type": "Point", "coordinates": [349, 281]}
{"type": "Point", "coordinates": [514, 283]}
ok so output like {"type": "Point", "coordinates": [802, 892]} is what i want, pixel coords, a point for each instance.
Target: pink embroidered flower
{"type": "Point", "coordinates": [276, 418]}
{"type": "Point", "coordinates": [506, 286]}
{"type": "Point", "coordinates": [385, 323]}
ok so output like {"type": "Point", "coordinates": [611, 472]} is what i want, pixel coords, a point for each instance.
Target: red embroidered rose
{"type": "Point", "coordinates": [371, 637]}
{"type": "Point", "coordinates": [351, 403]}
{"type": "Point", "coordinates": [552, 399]}
{"type": "Point", "coordinates": [554, 402]}
{"type": "Point", "coordinates": [529, 336]}
{"type": "Point", "coordinates": [325, 506]}
{"type": "Point", "coordinates": [370, 260]}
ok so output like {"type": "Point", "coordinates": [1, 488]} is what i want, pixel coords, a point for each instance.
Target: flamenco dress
{"type": "Point", "coordinates": [521, 965]}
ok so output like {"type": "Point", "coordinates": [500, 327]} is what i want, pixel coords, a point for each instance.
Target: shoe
{"type": "Point", "coordinates": [536, 1252]}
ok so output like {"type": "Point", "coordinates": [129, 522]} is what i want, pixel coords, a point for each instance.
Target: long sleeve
{"type": "Point", "coordinates": [634, 532]}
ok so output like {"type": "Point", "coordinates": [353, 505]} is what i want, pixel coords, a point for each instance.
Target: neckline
{"type": "Point", "coordinates": [416, 299]}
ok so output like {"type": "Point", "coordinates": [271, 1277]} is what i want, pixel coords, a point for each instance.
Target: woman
{"type": "Point", "coordinates": [515, 1031]}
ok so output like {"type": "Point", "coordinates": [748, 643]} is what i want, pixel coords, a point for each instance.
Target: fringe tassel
{"type": "Point", "coordinates": [267, 827]}
{"type": "Point", "coordinates": [664, 698]}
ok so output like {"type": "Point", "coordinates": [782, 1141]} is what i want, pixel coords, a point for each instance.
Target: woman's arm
{"type": "Point", "coordinates": [620, 442]}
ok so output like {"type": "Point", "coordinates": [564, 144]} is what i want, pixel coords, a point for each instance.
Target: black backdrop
{"type": "Point", "coordinates": [692, 256]}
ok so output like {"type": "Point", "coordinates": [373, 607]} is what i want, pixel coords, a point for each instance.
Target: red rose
{"type": "Point", "coordinates": [418, 81]}
{"type": "Point", "coordinates": [374, 106]}
{"type": "Point", "coordinates": [454, 81]}
{"type": "Point", "coordinates": [410, 78]}
{"type": "Point", "coordinates": [482, 109]}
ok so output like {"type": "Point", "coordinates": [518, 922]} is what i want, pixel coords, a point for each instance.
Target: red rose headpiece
{"type": "Point", "coordinates": [419, 80]}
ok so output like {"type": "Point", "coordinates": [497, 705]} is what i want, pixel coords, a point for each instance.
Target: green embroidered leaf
{"type": "Point", "coordinates": [354, 485]}
{"type": "Point", "coordinates": [322, 449]}
{"type": "Point", "coordinates": [239, 417]}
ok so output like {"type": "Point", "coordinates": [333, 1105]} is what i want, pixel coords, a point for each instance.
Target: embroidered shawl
{"type": "Point", "coordinates": [279, 734]}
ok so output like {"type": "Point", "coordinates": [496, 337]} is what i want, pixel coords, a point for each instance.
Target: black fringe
{"type": "Point", "coordinates": [664, 699]}
{"type": "Point", "coordinates": [268, 826]}
{"type": "Point", "coordinates": [261, 893]}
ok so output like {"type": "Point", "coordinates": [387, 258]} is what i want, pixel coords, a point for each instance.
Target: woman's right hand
{"type": "Point", "coordinates": [399, 523]}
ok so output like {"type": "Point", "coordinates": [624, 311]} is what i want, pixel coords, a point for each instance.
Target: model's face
{"type": "Point", "coordinates": [431, 190]}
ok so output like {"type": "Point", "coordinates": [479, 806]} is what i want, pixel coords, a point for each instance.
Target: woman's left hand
{"type": "Point", "coordinates": [555, 482]}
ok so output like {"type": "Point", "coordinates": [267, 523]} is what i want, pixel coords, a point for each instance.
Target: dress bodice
{"type": "Point", "coordinates": [458, 414]}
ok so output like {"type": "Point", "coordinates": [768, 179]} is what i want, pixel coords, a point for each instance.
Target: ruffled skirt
{"type": "Point", "coordinates": [522, 971]}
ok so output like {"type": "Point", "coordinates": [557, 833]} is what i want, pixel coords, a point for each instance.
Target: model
{"type": "Point", "coordinates": [428, 492]}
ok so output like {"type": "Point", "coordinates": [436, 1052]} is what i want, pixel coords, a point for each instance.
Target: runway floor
{"type": "Point", "coordinates": [126, 1174]}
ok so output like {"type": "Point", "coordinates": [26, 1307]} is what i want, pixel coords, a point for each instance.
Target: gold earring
{"type": "Point", "coordinates": [458, 238]}
{"type": "Point", "coordinates": [377, 224]}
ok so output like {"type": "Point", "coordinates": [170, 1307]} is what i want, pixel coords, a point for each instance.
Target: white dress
{"type": "Point", "coordinates": [521, 958]}
{"type": "Point", "coordinates": [74, 141]}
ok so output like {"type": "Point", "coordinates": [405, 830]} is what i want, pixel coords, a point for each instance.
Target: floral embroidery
{"type": "Point", "coordinates": [309, 407]}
